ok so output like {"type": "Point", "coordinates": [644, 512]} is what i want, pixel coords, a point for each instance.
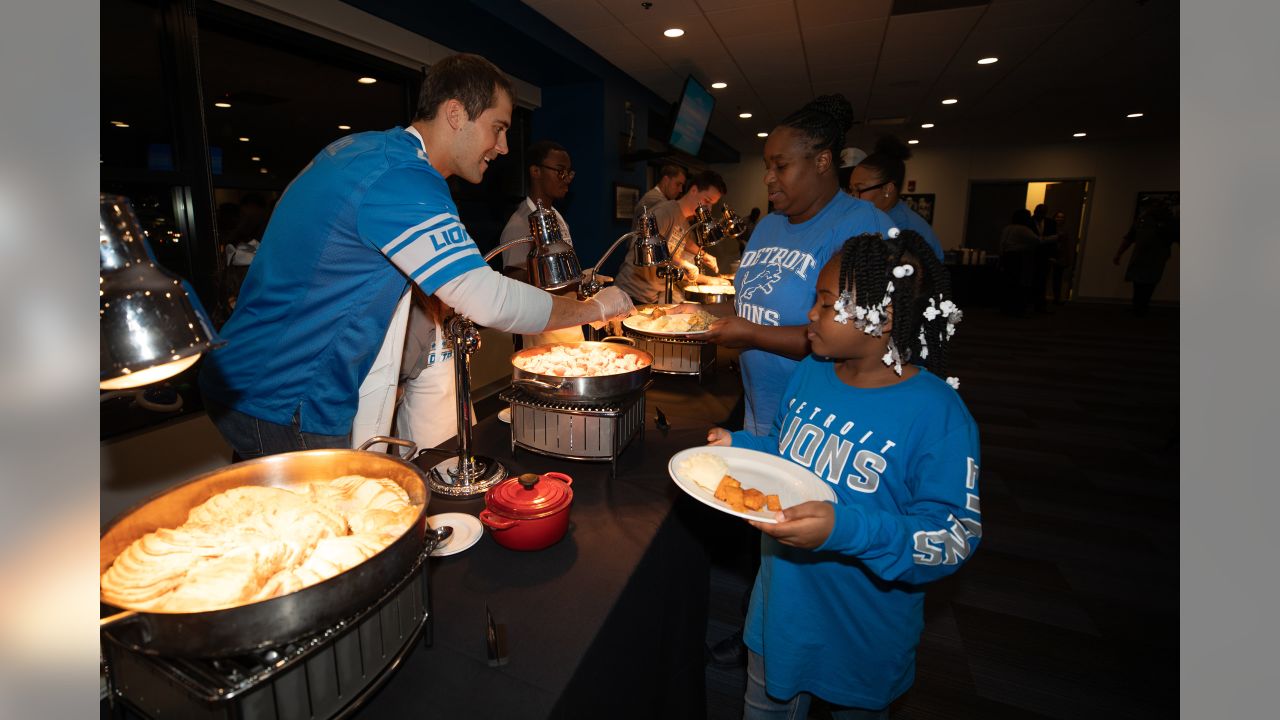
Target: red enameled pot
{"type": "Point", "coordinates": [529, 512]}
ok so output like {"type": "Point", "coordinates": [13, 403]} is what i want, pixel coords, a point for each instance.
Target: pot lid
{"type": "Point", "coordinates": [530, 496]}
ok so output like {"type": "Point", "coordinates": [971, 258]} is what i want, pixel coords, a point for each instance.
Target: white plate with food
{"type": "Point", "coordinates": [701, 471]}
{"type": "Point", "coordinates": [505, 415]}
{"type": "Point", "coordinates": [658, 320]}
{"type": "Point", "coordinates": [466, 532]}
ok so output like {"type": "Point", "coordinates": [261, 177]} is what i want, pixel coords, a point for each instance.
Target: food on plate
{"type": "Point", "coordinates": [254, 543]}
{"type": "Point", "coordinates": [710, 289]}
{"type": "Point", "coordinates": [657, 319]}
{"type": "Point", "coordinates": [704, 470]}
{"type": "Point", "coordinates": [579, 361]}
{"type": "Point", "coordinates": [741, 499]}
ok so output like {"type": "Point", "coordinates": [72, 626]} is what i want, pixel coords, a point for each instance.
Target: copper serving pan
{"type": "Point", "coordinates": [279, 620]}
{"type": "Point", "coordinates": [588, 388]}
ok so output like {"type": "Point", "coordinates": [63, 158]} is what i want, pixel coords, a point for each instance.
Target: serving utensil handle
{"type": "Point", "coordinates": [121, 616]}
{"type": "Point", "coordinates": [412, 446]}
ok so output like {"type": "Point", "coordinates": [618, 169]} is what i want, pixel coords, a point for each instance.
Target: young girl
{"type": "Point", "coordinates": [837, 606]}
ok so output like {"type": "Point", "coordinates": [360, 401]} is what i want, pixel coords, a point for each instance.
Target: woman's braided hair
{"type": "Point", "coordinates": [866, 267]}
{"type": "Point", "coordinates": [825, 120]}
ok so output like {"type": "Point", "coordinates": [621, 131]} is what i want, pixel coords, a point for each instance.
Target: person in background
{"type": "Point", "coordinates": [837, 607]}
{"type": "Point", "coordinates": [775, 283]}
{"type": "Point", "coordinates": [1151, 237]}
{"type": "Point", "coordinates": [370, 215]}
{"type": "Point", "coordinates": [671, 182]}
{"type": "Point", "coordinates": [1064, 259]}
{"type": "Point", "coordinates": [849, 159]}
{"type": "Point", "coordinates": [879, 179]}
{"type": "Point", "coordinates": [550, 171]}
{"type": "Point", "coordinates": [672, 217]}
{"type": "Point", "coordinates": [1018, 246]}
{"type": "Point", "coordinates": [1042, 257]}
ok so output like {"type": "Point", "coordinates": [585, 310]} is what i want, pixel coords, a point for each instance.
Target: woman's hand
{"type": "Point", "coordinates": [719, 436]}
{"type": "Point", "coordinates": [805, 526]}
{"type": "Point", "coordinates": [731, 332]}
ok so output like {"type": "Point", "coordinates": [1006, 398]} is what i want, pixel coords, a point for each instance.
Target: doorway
{"type": "Point", "coordinates": [993, 202]}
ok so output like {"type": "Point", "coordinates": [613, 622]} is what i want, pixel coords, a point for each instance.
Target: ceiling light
{"type": "Point", "coordinates": [913, 142]}
{"type": "Point", "coordinates": [120, 123]}
{"type": "Point", "coordinates": [744, 115]}
{"type": "Point", "coordinates": [762, 134]}
{"type": "Point", "coordinates": [988, 61]}
{"type": "Point", "coordinates": [222, 104]}
{"type": "Point", "coordinates": [1079, 134]}
{"type": "Point", "coordinates": [1134, 115]}
{"type": "Point", "coordinates": [244, 139]}
{"type": "Point", "coordinates": [719, 85]}
{"type": "Point", "coordinates": [255, 158]}
{"type": "Point", "coordinates": [344, 127]}
{"type": "Point", "coordinates": [673, 32]}
{"type": "Point", "coordinates": [926, 126]}
{"type": "Point", "coordinates": [262, 170]}
{"type": "Point", "coordinates": [366, 80]}
{"type": "Point", "coordinates": [950, 101]}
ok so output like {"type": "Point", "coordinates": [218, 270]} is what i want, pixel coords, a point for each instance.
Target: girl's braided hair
{"type": "Point", "coordinates": [825, 120]}
{"type": "Point", "coordinates": [866, 268]}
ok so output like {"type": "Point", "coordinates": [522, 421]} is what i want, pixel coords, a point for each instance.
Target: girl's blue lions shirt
{"type": "Point", "coordinates": [843, 621]}
{"type": "Point", "coordinates": [776, 284]}
{"type": "Point", "coordinates": [317, 300]}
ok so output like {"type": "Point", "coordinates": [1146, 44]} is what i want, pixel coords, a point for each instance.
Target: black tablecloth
{"type": "Point", "coordinates": [608, 622]}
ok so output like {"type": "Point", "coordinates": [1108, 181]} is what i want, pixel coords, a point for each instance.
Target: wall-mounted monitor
{"type": "Point", "coordinates": [692, 116]}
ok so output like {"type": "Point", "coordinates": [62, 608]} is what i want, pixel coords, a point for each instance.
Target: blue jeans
{"type": "Point", "coordinates": [250, 437]}
{"type": "Point", "coordinates": [760, 706]}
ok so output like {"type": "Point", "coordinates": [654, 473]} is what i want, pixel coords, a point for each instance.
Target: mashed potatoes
{"type": "Point", "coordinates": [704, 469]}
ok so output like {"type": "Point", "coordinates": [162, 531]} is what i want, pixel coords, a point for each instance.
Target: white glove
{"type": "Point", "coordinates": [613, 303]}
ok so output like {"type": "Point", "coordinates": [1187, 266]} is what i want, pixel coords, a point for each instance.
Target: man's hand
{"type": "Point", "coordinates": [805, 526]}
{"type": "Point", "coordinates": [731, 332]}
{"type": "Point", "coordinates": [614, 303]}
{"type": "Point", "coordinates": [719, 436]}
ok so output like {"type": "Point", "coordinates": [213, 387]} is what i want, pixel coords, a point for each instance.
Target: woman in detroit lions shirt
{"type": "Point", "coordinates": [779, 270]}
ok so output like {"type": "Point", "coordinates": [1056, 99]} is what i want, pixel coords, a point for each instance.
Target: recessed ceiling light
{"type": "Point", "coordinates": [762, 134]}
{"type": "Point", "coordinates": [913, 142]}
{"type": "Point", "coordinates": [673, 32]}
{"type": "Point", "coordinates": [950, 101]}
{"type": "Point", "coordinates": [988, 60]}
{"type": "Point", "coordinates": [744, 115]}
{"type": "Point", "coordinates": [222, 104]}
{"type": "Point", "coordinates": [719, 85]}
{"type": "Point", "coordinates": [366, 80]}
{"type": "Point", "coordinates": [1079, 134]}
{"type": "Point", "coordinates": [262, 170]}
{"type": "Point", "coordinates": [244, 139]}
{"type": "Point", "coordinates": [926, 126]}
{"type": "Point", "coordinates": [344, 127]}
{"type": "Point", "coordinates": [1134, 115]}
{"type": "Point", "coordinates": [255, 158]}
{"type": "Point", "coordinates": [120, 123]}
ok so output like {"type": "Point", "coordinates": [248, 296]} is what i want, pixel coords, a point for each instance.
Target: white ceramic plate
{"type": "Point", "coordinates": [767, 473]}
{"type": "Point", "coordinates": [628, 321]}
{"type": "Point", "coordinates": [466, 532]}
{"type": "Point", "coordinates": [505, 415]}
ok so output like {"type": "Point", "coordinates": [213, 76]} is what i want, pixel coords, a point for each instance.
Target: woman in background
{"type": "Point", "coordinates": [879, 178]}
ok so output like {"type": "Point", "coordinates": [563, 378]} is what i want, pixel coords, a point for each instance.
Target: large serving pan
{"type": "Point", "coordinates": [583, 388]}
{"type": "Point", "coordinates": [279, 620]}
{"type": "Point", "coordinates": [722, 294]}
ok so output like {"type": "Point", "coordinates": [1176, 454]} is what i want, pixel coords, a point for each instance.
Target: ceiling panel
{"type": "Point", "coordinates": [754, 20]}
{"type": "Point", "coordinates": [843, 44]}
{"type": "Point", "coordinates": [574, 15]}
{"type": "Point", "coordinates": [817, 12]}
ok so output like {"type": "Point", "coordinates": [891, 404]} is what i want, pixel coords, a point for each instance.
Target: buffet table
{"type": "Point", "coordinates": [611, 619]}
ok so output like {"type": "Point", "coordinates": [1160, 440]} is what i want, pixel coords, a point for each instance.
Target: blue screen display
{"type": "Point", "coordinates": [692, 117]}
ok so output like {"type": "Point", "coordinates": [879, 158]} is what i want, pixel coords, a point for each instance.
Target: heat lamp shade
{"type": "Point", "coordinates": [150, 323]}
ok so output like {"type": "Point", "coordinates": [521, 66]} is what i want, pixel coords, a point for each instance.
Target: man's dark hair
{"type": "Point", "coordinates": [670, 170]}
{"type": "Point", "coordinates": [469, 79]}
{"type": "Point", "coordinates": [706, 179]}
{"type": "Point", "coordinates": [538, 152]}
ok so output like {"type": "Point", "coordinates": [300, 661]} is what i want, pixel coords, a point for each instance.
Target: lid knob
{"type": "Point", "coordinates": [528, 480]}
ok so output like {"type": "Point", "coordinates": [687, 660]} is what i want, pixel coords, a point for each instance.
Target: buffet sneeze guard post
{"type": "Point", "coordinates": [552, 266]}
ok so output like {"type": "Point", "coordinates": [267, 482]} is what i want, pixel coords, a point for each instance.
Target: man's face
{"type": "Point", "coordinates": [708, 197]}
{"type": "Point", "coordinates": [552, 176]}
{"type": "Point", "coordinates": [482, 139]}
{"type": "Point", "coordinates": [671, 187]}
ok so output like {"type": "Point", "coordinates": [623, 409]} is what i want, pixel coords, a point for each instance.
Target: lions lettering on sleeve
{"type": "Point", "coordinates": [952, 544]}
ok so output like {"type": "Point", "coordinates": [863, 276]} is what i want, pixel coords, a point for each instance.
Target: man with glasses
{"type": "Point", "coordinates": [672, 216]}
{"type": "Point", "coordinates": [550, 171]}
{"type": "Point", "coordinates": [671, 180]}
